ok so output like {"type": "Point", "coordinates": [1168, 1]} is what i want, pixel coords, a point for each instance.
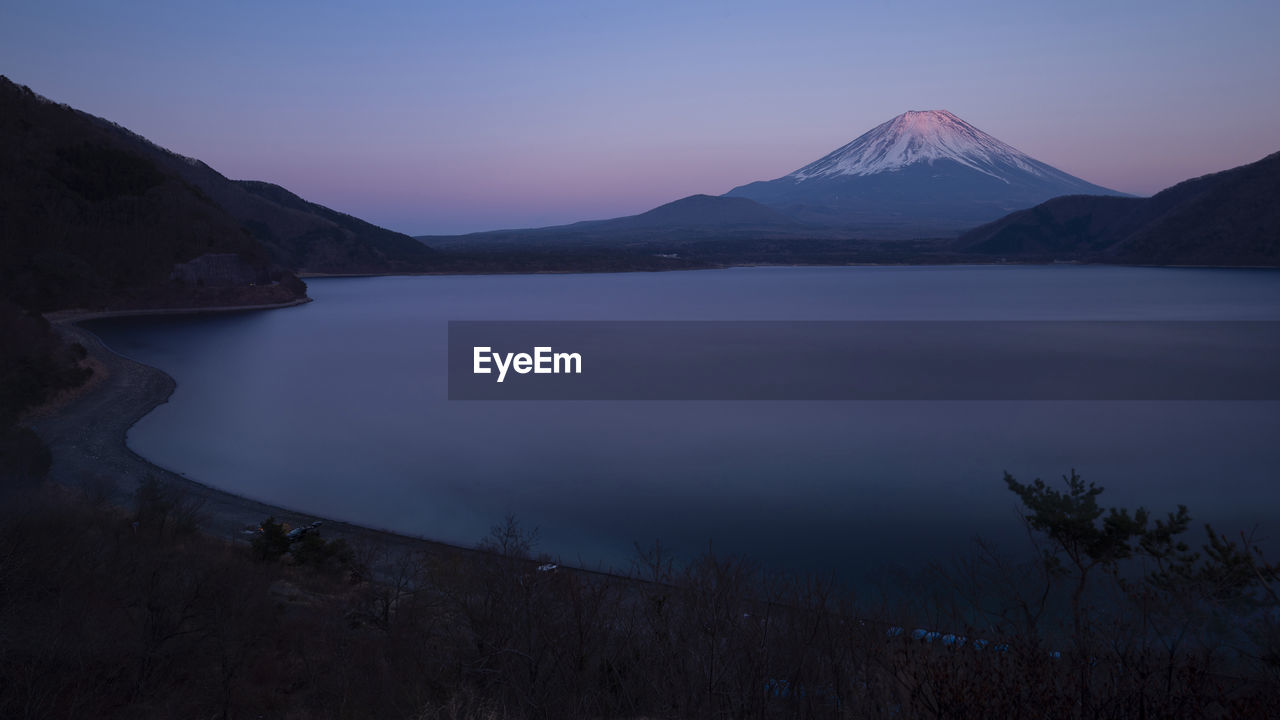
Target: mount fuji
{"type": "Point", "coordinates": [921, 173]}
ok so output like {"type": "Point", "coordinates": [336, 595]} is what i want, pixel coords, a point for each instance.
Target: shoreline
{"type": "Point", "coordinates": [86, 433]}
{"type": "Point", "coordinates": [76, 316]}
{"type": "Point", "coordinates": [975, 263]}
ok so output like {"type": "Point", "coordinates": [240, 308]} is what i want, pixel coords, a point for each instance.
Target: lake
{"type": "Point", "coordinates": [340, 408]}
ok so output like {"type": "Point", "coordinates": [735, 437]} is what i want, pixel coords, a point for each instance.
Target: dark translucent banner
{"type": "Point", "coordinates": [864, 360]}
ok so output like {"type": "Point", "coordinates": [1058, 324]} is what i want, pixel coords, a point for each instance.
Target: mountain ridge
{"type": "Point", "coordinates": [692, 217]}
{"type": "Point", "coordinates": [94, 214]}
{"type": "Point", "coordinates": [1230, 217]}
{"type": "Point", "coordinates": [299, 235]}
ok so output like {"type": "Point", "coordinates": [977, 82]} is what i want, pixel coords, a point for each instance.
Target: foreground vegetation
{"type": "Point", "coordinates": [108, 613]}
{"type": "Point", "coordinates": [34, 367]}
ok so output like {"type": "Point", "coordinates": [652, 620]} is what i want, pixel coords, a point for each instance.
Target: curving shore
{"type": "Point", "coordinates": [86, 433]}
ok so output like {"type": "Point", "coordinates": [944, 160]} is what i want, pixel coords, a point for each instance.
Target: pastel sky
{"type": "Point", "coordinates": [442, 117]}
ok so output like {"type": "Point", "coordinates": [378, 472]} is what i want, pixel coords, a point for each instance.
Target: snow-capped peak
{"type": "Point", "coordinates": [920, 136]}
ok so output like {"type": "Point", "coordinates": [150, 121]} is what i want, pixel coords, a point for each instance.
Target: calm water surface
{"type": "Point", "coordinates": [339, 408]}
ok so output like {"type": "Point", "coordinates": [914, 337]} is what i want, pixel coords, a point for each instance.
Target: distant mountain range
{"type": "Point", "coordinates": [921, 174]}
{"type": "Point", "coordinates": [689, 219]}
{"type": "Point", "coordinates": [92, 214]}
{"type": "Point", "coordinates": [927, 187]}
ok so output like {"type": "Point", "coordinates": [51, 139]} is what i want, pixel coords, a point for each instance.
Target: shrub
{"type": "Point", "coordinates": [272, 540]}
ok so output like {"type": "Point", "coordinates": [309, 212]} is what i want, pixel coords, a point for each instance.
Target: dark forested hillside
{"type": "Point", "coordinates": [1228, 218]}
{"type": "Point", "coordinates": [87, 221]}
{"type": "Point", "coordinates": [298, 235]}
{"type": "Point", "coordinates": [325, 240]}
{"type": "Point", "coordinates": [93, 215]}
